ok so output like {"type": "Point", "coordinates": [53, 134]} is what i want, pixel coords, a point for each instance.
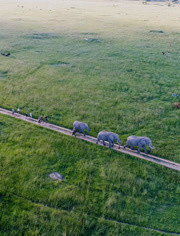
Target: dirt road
{"type": "Point", "coordinates": [154, 159]}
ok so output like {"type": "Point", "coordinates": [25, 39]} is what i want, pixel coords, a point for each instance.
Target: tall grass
{"type": "Point", "coordinates": [99, 185]}
{"type": "Point", "coordinates": [101, 63]}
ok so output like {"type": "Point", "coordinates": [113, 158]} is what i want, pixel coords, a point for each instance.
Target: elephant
{"type": "Point", "coordinates": [108, 136]}
{"type": "Point", "coordinates": [81, 127]}
{"type": "Point", "coordinates": [141, 142]}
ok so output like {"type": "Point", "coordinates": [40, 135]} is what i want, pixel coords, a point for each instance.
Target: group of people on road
{"type": "Point", "coordinates": [40, 119]}
{"type": "Point", "coordinates": [18, 111]}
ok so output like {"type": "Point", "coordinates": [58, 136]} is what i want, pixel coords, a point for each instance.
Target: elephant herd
{"type": "Point", "coordinates": [110, 137]}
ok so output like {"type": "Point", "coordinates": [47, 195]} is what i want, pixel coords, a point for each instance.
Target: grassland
{"type": "Point", "coordinates": [98, 62]}
{"type": "Point", "coordinates": [118, 80]}
{"type": "Point", "coordinates": [100, 187]}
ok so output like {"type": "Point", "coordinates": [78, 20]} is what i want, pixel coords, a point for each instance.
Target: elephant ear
{"type": "Point", "coordinates": [143, 139]}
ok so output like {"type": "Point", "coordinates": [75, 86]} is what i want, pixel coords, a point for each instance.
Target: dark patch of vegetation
{"type": "Point", "coordinates": [61, 81]}
{"type": "Point", "coordinates": [115, 54]}
{"type": "Point", "coordinates": [3, 74]}
{"type": "Point", "coordinates": [129, 70]}
{"type": "Point", "coordinates": [59, 63]}
{"type": "Point", "coordinates": [157, 31]}
{"type": "Point", "coordinates": [5, 53]}
{"type": "Point", "coordinates": [89, 33]}
{"type": "Point", "coordinates": [27, 48]}
{"type": "Point", "coordinates": [42, 36]}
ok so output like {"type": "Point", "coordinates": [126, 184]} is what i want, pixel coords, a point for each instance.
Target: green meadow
{"type": "Point", "coordinates": [100, 63]}
{"type": "Point", "coordinates": [100, 190]}
{"type": "Point", "coordinates": [117, 80]}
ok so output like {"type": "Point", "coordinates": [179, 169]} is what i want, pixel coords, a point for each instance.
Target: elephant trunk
{"type": "Point", "coordinates": [151, 147]}
{"type": "Point", "coordinates": [87, 130]}
{"type": "Point", "coordinates": [74, 131]}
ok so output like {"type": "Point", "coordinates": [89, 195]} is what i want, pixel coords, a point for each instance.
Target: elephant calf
{"type": "Point", "coordinates": [108, 136]}
{"type": "Point", "coordinates": [81, 127]}
{"type": "Point", "coordinates": [141, 142]}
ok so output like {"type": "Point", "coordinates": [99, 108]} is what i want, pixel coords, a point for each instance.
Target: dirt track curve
{"type": "Point", "coordinates": [157, 160]}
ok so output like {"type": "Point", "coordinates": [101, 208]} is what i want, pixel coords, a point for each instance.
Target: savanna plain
{"type": "Point", "coordinates": [115, 66]}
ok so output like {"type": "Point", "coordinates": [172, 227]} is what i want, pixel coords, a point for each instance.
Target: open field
{"type": "Point", "coordinates": [99, 188]}
{"type": "Point", "coordinates": [121, 83]}
{"type": "Point", "coordinates": [102, 63]}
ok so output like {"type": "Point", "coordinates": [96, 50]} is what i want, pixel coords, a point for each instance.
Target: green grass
{"type": "Point", "coordinates": [119, 84]}
{"type": "Point", "coordinates": [100, 187]}
{"type": "Point", "coordinates": [117, 80]}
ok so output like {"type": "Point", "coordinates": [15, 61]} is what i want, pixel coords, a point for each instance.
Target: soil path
{"type": "Point", "coordinates": [154, 159]}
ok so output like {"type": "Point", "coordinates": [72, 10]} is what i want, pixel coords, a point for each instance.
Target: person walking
{"type": "Point", "coordinates": [18, 110]}
{"type": "Point", "coordinates": [26, 115]}
{"type": "Point", "coordinates": [30, 115]}
{"type": "Point", "coordinates": [46, 118]}
{"type": "Point", "coordinates": [13, 111]}
{"type": "Point", "coordinates": [40, 119]}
